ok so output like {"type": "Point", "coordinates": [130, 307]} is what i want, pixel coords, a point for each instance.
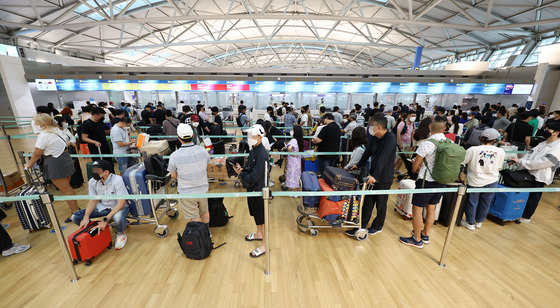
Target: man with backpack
{"type": "Point", "coordinates": [242, 119]}
{"type": "Point", "coordinates": [188, 165]}
{"type": "Point", "coordinates": [434, 173]}
{"type": "Point", "coordinates": [472, 136]}
{"type": "Point", "coordinates": [127, 111]}
{"type": "Point", "coordinates": [170, 129]}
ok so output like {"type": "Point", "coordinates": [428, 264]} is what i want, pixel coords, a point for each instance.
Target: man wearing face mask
{"type": "Point", "coordinates": [473, 121]}
{"type": "Point", "coordinates": [542, 162]}
{"type": "Point", "coordinates": [553, 118]}
{"type": "Point", "coordinates": [105, 183]}
{"type": "Point", "coordinates": [94, 132]}
{"type": "Point", "coordinates": [121, 143]}
{"type": "Point", "coordinates": [347, 131]}
{"type": "Point", "coordinates": [195, 123]}
{"type": "Point", "coordinates": [253, 179]}
{"type": "Point", "coordinates": [328, 140]}
{"type": "Point", "coordinates": [381, 149]}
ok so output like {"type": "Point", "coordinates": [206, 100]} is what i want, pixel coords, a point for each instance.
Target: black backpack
{"type": "Point", "coordinates": [238, 119]}
{"type": "Point", "coordinates": [279, 112]}
{"type": "Point", "coordinates": [219, 216]}
{"type": "Point", "coordinates": [155, 130]}
{"type": "Point", "coordinates": [155, 165]}
{"type": "Point", "coordinates": [195, 241]}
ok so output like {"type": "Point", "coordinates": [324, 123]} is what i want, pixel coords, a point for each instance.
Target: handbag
{"type": "Point", "coordinates": [517, 179]}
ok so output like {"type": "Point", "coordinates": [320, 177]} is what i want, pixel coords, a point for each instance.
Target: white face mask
{"type": "Point", "coordinates": [195, 124]}
{"type": "Point", "coordinates": [413, 119]}
{"type": "Point", "coordinates": [551, 116]}
{"type": "Point", "coordinates": [251, 142]}
{"type": "Point", "coordinates": [292, 133]}
{"type": "Point", "coordinates": [65, 125]}
{"type": "Point", "coordinates": [344, 120]}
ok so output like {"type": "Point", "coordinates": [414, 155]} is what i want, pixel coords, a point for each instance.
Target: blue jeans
{"type": "Point", "coordinates": [323, 162]}
{"type": "Point", "coordinates": [119, 218]}
{"type": "Point", "coordinates": [125, 163]}
{"type": "Point", "coordinates": [478, 204]}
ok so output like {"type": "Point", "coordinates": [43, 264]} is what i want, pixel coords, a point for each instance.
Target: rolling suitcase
{"type": "Point", "coordinates": [448, 202]}
{"type": "Point", "coordinates": [77, 179]}
{"type": "Point", "coordinates": [310, 163]}
{"type": "Point", "coordinates": [135, 181]}
{"type": "Point", "coordinates": [339, 179]}
{"type": "Point", "coordinates": [403, 205]}
{"type": "Point", "coordinates": [87, 243]}
{"type": "Point", "coordinates": [325, 187]}
{"type": "Point", "coordinates": [32, 214]}
{"type": "Point", "coordinates": [309, 182]}
{"type": "Point", "coordinates": [508, 206]}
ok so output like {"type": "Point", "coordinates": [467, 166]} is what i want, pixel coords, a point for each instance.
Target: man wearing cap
{"type": "Point", "coordinates": [194, 124]}
{"type": "Point", "coordinates": [484, 163]}
{"type": "Point", "coordinates": [104, 182]}
{"type": "Point", "coordinates": [188, 166]}
{"type": "Point", "coordinates": [253, 179]}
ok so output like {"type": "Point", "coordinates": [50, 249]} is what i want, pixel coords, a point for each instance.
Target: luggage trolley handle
{"type": "Point", "coordinates": [32, 175]}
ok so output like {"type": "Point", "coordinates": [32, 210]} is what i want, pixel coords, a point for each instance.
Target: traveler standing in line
{"type": "Point", "coordinates": [337, 116]}
{"type": "Point", "coordinates": [146, 115]}
{"type": "Point", "coordinates": [289, 119]}
{"type": "Point", "coordinates": [405, 130]}
{"type": "Point", "coordinates": [269, 114]}
{"type": "Point", "coordinates": [170, 129]}
{"type": "Point", "coordinates": [94, 133]}
{"type": "Point", "coordinates": [382, 152]}
{"type": "Point", "coordinates": [484, 163]}
{"type": "Point", "coordinates": [501, 122]}
{"type": "Point", "coordinates": [57, 163]}
{"type": "Point", "coordinates": [360, 116]}
{"type": "Point", "coordinates": [519, 133]}
{"type": "Point", "coordinates": [253, 179]}
{"type": "Point", "coordinates": [542, 162]}
{"type": "Point", "coordinates": [121, 143]}
{"type": "Point", "coordinates": [188, 166]}
{"type": "Point", "coordinates": [352, 124]}
{"type": "Point", "coordinates": [104, 182]}
{"type": "Point", "coordinates": [159, 115]}
{"type": "Point", "coordinates": [328, 140]}
{"type": "Point", "coordinates": [185, 117]}
{"type": "Point", "coordinates": [358, 145]}
{"type": "Point", "coordinates": [242, 119]}
{"type": "Point", "coordinates": [424, 164]}
{"type": "Point", "coordinates": [216, 118]}
{"type": "Point", "coordinates": [6, 246]}
{"type": "Point", "coordinates": [472, 135]}
{"type": "Point", "coordinates": [293, 169]}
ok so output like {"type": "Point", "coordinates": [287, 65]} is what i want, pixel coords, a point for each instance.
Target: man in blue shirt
{"type": "Point", "coordinates": [289, 119]}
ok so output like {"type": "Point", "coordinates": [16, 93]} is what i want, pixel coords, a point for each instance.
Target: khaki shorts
{"type": "Point", "coordinates": [193, 208]}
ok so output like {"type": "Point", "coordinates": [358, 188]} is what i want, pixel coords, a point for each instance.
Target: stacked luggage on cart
{"type": "Point", "coordinates": [339, 211]}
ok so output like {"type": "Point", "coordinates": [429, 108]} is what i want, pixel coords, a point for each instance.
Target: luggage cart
{"type": "Point", "coordinates": [306, 220]}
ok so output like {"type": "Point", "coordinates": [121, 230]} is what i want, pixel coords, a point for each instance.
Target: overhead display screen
{"type": "Point", "coordinates": [292, 86]}
{"type": "Point", "coordinates": [46, 84]}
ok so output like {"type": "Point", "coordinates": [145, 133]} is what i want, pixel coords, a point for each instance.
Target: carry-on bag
{"type": "Point", "coordinates": [77, 178]}
{"type": "Point", "coordinates": [195, 241]}
{"type": "Point", "coordinates": [448, 202]}
{"type": "Point", "coordinates": [330, 210]}
{"type": "Point", "coordinates": [508, 206]}
{"type": "Point", "coordinates": [403, 205]}
{"type": "Point", "coordinates": [517, 178]}
{"type": "Point", "coordinates": [219, 215]}
{"type": "Point", "coordinates": [310, 182]}
{"type": "Point", "coordinates": [135, 182]}
{"type": "Point", "coordinates": [155, 165]}
{"type": "Point", "coordinates": [339, 179]}
{"type": "Point", "coordinates": [160, 147]}
{"type": "Point", "coordinates": [88, 242]}
{"type": "Point", "coordinates": [32, 214]}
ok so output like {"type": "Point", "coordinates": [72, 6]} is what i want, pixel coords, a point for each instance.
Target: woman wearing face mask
{"type": "Point", "coordinates": [195, 125]}
{"type": "Point", "coordinates": [293, 169]}
{"type": "Point", "coordinates": [66, 134]}
{"type": "Point", "coordinates": [57, 163]}
{"type": "Point", "coordinates": [541, 162]}
{"type": "Point", "coordinates": [405, 130]}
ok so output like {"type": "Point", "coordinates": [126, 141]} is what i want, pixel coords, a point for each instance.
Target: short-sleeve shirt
{"type": "Point", "coordinates": [51, 143]}
{"type": "Point", "coordinates": [330, 138]}
{"type": "Point", "coordinates": [407, 136]}
{"type": "Point", "coordinates": [484, 164]}
{"type": "Point", "coordinates": [67, 135]}
{"type": "Point", "coordinates": [518, 131]}
{"type": "Point", "coordinates": [95, 130]}
{"type": "Point", "coordinates": [170, 128]}
{"type": "Point", "coordinates": [119, 134]}
{"type": "Point", "coordinates": [190, 162]}
{"type": "Point", "coordinates": [146, 115]}
{"type": "Point", "coordinates": [428, 150]}
{"type": "Point", "coordinates": [304, 118]}
{"type": "Point", "coordinates": [114, 185]}
{"type": "Point", "coordinates": [289, 121]}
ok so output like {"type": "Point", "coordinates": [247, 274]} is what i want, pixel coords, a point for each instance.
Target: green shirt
{"type": "Point", "coordinates": [535, 124]}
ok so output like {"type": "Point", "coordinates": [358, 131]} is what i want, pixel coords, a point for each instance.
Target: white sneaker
{"type": "Point", "coordinates": [465, 224]}
{"type": "Point", "coordinates": [478, 225]}
{"type": "Point", "coordinates": [270, 183]}
{"type": "Point", "coordinates": [16, 248]}
{"type": "Point", "coordinates": [525, 220]}
{"type": "Point", "coordinates": [121, 241]}
{"type": "Point", "coordinates": [6, 226]}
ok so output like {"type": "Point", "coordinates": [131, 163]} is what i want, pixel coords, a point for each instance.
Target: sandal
{"type": "Point", "coordinates": [256, 253]}
{"type": "Point", "coordinates": [251, 237]}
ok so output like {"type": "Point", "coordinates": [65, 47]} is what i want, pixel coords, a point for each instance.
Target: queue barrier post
{"type": "Point", "coordinates": [48, 200]}
{"type": "Point", "coordinates": [266, 198]}
{"type": "Point", "coordinates": [460, 195]}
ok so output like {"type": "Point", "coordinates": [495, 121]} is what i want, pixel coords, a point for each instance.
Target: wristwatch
{"type": "Point", "coordinates": [105, 219]}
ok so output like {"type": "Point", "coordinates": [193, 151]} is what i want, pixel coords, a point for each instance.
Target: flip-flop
{"type": "Point", "coordinates": [256, 253]}
{"type": "Point", "coordinates": [251, 237]}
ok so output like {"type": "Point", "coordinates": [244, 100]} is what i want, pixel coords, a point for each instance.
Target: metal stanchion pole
{"type": "Point", "coordinates": [460, 196]}
{"type": "Point", "coordinates": [48, 201]}
{"type": "Point", "coordinates": [266, 197]}
{"type": "Point", "coordinates": [11, 147]}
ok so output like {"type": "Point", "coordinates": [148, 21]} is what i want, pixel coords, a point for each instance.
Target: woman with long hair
{"type": "Point", "coordinates": [293, 169]}
{"type": "Point", "coordinates": [358, 145]}
{"type": "Point", "coordinates": [57, 163]}
{"type": "Point", "coordinates": [422, 132]}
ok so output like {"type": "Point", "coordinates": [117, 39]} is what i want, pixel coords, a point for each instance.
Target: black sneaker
{"type": "Point", "coordinates": [68, 220]}
{"type": "Point", "coordinates": [350, 232]}
{"type": "Point", "coordinates": [372, 231]}
{"type": "Point", "coordinates": [425, 238]}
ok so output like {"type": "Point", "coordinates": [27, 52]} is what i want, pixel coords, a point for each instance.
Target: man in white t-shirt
{"type": "Point", "coordinates": [484, 164]}
{"type": "Point", "coordinates": [121, 143]}
{"type": "Point", "coordinates": [423, 164]}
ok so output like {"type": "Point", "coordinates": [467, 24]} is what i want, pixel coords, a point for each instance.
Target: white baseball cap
{"type": "Point", "coordinates": [184, 131]}
{"type": "Point", "coordinates": [256, 129]}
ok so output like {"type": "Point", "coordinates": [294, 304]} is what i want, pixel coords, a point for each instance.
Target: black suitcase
{"type": "Point", "coordinates": [77, 179]}
{"type": "Point", "coordinates": [339, 179]}
{"type": "Point", "coordinates": [219, 147]}
{"type": "Point", "coordinates": [32, 214]}
{"type": "Point", "coordinates": [448, 202]}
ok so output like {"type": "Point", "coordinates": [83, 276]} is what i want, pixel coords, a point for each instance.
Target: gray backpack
{"type": "Point", "coordinates": [474, 138]}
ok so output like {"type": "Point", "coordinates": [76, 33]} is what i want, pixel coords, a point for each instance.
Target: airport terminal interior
{"type": "Point", "coordinates": [406, 64]}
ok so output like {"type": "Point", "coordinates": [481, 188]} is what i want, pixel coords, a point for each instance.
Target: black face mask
{"type": "Point", "coordinates": [546, 134]}
{"type": "Point", "coordinates": [96, 176]}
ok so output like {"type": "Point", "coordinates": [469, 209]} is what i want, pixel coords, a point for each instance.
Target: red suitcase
{"type": "Point", "coordinates": [87, 243]}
